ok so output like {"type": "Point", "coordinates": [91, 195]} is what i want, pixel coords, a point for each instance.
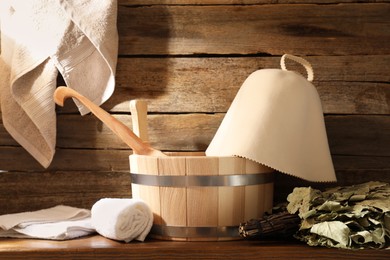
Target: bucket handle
{"type": "Point", "coordinates": [303, 62]}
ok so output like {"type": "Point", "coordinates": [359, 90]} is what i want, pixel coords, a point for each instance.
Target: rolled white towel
{"type": "Point", "coordinates": [122, 219]}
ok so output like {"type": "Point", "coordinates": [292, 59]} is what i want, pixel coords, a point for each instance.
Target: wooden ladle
{"type": "Point", "coordinates": [121, 130]}
{"type": "Point", "coordinates": [139, 112]}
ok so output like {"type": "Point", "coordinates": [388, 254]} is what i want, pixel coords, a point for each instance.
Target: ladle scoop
{"type": "Point", "coordinates": [121, 130]}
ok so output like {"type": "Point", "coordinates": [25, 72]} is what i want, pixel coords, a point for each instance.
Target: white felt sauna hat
{"type": "Point", "coordinates": [276, 119]}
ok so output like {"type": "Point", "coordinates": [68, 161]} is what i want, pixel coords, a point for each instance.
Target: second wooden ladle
{"type": "Point", "coordinates": [121, 130]}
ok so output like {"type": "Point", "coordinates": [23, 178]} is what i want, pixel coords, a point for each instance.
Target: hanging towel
{"type": "Point", "coordinates": [276, 119]}
{"type": "Point", "coordinates": [56, 223]}
{"type": "Point", "coordinates": [122, 219]}
{"type": "Point", "coordinates": [40, 38]}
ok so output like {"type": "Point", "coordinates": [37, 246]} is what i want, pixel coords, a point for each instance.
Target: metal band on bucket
{"type": "Point", "coordinates": [201, 180]}
{"type": "Point", "coordinates": [195, 232]}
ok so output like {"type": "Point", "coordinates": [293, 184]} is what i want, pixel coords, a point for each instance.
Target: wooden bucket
{"type": "Point", "coordinates": [200, 198]}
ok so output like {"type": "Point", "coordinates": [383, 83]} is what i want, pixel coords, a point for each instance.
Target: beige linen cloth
{"type": "Point", "coordinates": [78, 38]}
{"type": "Point", "coordinates": [57, 223]}
{"type": "Point", "coordinates": [276, 119]}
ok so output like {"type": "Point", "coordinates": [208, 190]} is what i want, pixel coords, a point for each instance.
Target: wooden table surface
{"type": "Point", "coordinates": [97, 247]}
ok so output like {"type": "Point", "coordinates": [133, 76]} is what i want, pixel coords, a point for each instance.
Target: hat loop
{"type": "Point", "coordinates": [303, 62]}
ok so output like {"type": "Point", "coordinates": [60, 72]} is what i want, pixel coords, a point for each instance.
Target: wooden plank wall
{"type": "Point", "coordinates": [188, 58]}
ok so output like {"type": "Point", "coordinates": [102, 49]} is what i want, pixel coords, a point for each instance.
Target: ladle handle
{"type": "Point", "coordinates": [121, 130]}
{"type": "Point", "coordinates": [139, 112]}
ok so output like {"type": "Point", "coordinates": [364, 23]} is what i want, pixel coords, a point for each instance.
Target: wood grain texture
{"type": "Point", "coordinates": [173, 199]}
{"type": "Point", "coordinates": [209, 84]}
{"type": "Point", "coordinates": [202, 202]}
{"type": "Point", "coordinates": [358, 135]}
{"type": "Point", "coordinates": [353, 135]}
{"type": "Point", "coordinates": [27, 191]}
{"type": "Point", "coordinates": [97, 247]}
{"type": "Point", "coordinates": [33, 190]}
{"type": "Point", "coordinates": [236, 2]}
{"type": "Point", "coordinates": [256, 200]}
{"type": "Point", "coordinates": [151, 194]}
{"type": "Point", "coordinates": [308, 29]}
{"type": "Point", "coordinates": [231, 208]}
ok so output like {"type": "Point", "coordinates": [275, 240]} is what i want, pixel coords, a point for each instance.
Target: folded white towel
{"type": "Point", "coordinates": [62, 230]}
{"type": "Point", "coordinates": [122, 219]}
{"type": "Point", "coordinates": [78, 38]}
{"type": "Point", "coordinates": [56, 223]}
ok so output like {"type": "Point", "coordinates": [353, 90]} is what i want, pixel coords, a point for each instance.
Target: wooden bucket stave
{"type": "Point", "coordinates": [200, 198]}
